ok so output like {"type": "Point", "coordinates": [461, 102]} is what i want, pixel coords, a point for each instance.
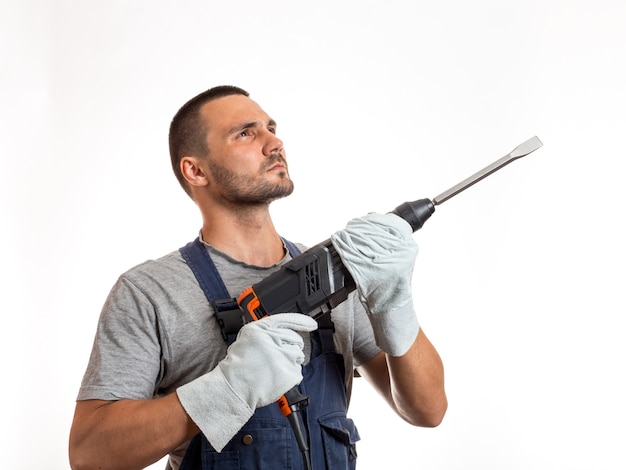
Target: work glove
{"type": "Point", "coordinates": [261, 365]}
{"type": "Point", "coordinates": [379, 252]}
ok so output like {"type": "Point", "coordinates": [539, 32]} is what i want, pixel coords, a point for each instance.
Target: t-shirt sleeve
{"type": "Point", "coordinates": [125, 359]}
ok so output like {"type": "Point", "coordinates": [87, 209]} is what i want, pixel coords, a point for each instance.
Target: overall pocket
{"type": "Point", "coordinates": [262, 444]}
{"type": "Point", "coordinates": [339, 437]}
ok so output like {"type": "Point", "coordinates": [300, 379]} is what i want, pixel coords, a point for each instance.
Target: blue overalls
{"type": "Point", "coordinates": [266, 441]}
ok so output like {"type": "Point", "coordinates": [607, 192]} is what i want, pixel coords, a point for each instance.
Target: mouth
{"type": "Point", "coordinates": [276, 163]}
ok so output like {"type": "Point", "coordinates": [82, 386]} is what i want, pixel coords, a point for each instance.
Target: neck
{"type": "Point", "coordinates": [247, 234]}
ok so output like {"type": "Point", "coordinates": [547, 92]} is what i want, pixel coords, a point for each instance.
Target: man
{"type": "Point", "coordinates": [160, 372]}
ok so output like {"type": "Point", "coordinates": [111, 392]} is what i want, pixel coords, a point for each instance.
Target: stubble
{"type": "Point", "coordinates": [245, 189]}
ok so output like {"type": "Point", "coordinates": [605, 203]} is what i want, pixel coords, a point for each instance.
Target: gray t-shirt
{"type": "Point", "coordinates": [157, 330]}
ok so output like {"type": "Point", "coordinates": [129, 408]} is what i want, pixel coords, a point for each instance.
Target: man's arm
{"type": "Point", "coordinates": [127, 434]}
{"type": "Point", "coordinates": [379, 252]}
{"type": "Point", "coordinates": [412, 384]}
{"type": "Point", "coordinates": [135, 433]}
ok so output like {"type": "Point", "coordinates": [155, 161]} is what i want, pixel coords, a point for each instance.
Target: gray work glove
{"type": "Point", "coordinates": [379, 252]}
{"type": "Point", "coordinates": [260, 366]}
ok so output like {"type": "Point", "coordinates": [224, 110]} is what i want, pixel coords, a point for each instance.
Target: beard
{"type": "Point", "coordinates": [244, 189]}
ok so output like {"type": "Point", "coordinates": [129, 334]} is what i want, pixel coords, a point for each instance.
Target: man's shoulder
{"type": "Point", "coordinates": [167, 266]}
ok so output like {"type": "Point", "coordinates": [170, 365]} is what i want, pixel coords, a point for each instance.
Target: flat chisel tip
{"type": "Point", "coordinates": [527, 147]}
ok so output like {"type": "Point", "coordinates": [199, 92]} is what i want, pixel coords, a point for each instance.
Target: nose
{"type": "Point", "coordinates": [272, 144]}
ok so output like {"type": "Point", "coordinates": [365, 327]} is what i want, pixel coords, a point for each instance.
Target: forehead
{"type": "Point", "coordinates": [228, 111]}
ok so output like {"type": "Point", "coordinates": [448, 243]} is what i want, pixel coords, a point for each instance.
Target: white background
{"type": "Point", "coordinates": [519, 280]}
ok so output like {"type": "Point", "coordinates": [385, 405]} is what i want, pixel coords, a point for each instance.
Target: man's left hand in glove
{"type": "Point", "coordinates": [379, 252]}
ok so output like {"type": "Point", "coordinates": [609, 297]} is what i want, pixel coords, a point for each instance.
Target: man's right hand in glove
{"type": "Point", "coordinates": [260, 366]}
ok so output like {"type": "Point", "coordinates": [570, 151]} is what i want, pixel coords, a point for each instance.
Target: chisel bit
{"type": "Point", "coordinates": [418, 212]}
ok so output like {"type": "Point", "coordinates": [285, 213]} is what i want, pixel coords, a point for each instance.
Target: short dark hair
{"type": "Point", "coordinates": [188, 131]}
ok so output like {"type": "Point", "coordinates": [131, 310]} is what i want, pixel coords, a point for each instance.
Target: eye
{"type": "Point", "coordinates": [244, 133]}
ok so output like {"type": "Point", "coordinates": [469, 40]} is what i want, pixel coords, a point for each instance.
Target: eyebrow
{"type": "Point", "coordinates": [249, 125]}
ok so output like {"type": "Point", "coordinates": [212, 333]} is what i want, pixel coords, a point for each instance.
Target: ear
{"type": "Point", "coordinates": [193, 171]}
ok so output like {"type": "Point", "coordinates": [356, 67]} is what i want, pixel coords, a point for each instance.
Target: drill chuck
{"type": "Point", "coordinates": [416, 213]}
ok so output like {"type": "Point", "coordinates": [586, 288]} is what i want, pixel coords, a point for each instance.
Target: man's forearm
{"type": "Point", "coordinates": [127, 433]}
{"type": "Point", "coordinates": [417, 384]}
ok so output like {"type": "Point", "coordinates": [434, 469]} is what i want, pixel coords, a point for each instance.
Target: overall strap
{"type": "Point", "coordinates": [293, 249]}
{"type": "Point", "coordinates": [227, 312]}
{"type": "Point", "coordinates": [203, 267]}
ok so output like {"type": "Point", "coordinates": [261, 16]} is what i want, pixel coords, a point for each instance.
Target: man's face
{"type": "Point", "coordinates": [246, 160]}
